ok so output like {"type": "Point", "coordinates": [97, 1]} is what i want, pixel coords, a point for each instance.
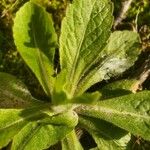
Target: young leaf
{"type": "Point", "coordinates": [69, 118]}
{"type": "Point", "coordinates": [106, 135]}
{"type": "Point", "coordinates": [85, 30]}
{"type": "Point", "coordinates": [130, 112]}
{"type": "Point", "coordinates": [87, 98]}
{"type": "Point", "coordinates": [13, 93]}
{"type": "Point", "coordinates": [71, 142]}
{"type": "Point", "coordinates": [12, 120]}
{"type": "Point", "coordinates": [35, 39]}
{"type": "Point", "coordinates": [119, 54]}
{"type": "Point", "coordinates": [59, 95]}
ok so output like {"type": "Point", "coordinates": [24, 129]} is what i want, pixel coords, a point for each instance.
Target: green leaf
{"type": "Point", "coordinates": [35, 39]}
{"type": "Point", "coordinates": [59, 95]}
{"type": "Point", "coordinates": [119, 54]}
{"type": "Point", "coordinates": [10, 124]}
{"type": "Point", "coordinates": [85, 30]}
{"type": "Point", "coordinates": [120, 144]}
{"type": "Point", "coordinates": [41, 135]}
{"type": "Point", "coordinates": [69, 118]}
{"type": "Point", "coordinates": [117, 88]}
{"type": "Point", "coordinates": [130, 112]}
{"type": "Point", "coordinates": [87, 98]}
{"type": "Point", "coordinates": [106, 135]}
{"type": "Point", "coordinates": [71, 142]}
{"type": "Point", "coordinates": [12, 120]}
{"type": "Point", "coordinates": [13, 93]}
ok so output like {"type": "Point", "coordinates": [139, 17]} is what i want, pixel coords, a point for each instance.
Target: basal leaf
{"type": "Point", "coordinates": [117, 88]}
{"type": "Point", "coordinates": [71, 142]}
{"type": "Point", "coordinates": [119, 54]}
{"type": "Point", "coordinates": [35, 136]}
{"type": "Point", "coordinates": [10, 124]}
{"type": "Point", "coordinates": [106, 135]}
{"type": "Point", "coordinates": [35, 39]}
{"type": "Point", "coordinates": [12, 120]}
{"type": "Point", "coordinates": [130, 112]}
{"type": "Point", "coordinates": [120, 144]}
{"type": "Point", "coordinates": [13, 93]}
{"type": "Point", "coordinates": [85, 30]}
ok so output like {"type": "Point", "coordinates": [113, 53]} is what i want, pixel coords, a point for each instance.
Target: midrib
{"type": "Point", "coordinates": [94, 71]}
{"type": "Point", "coordinates": [109, 111]}
{"type": "Point", "coordinates": [43, 72]}
{"type": "Point", "coordinates": [76, 59]}
{"type": "Point", "coordinates": [18, 121]}
{"type": "Point", "coordinates": [29, 137]}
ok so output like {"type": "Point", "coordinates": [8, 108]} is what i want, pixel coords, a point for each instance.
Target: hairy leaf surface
{"type": "Point", "coordinates": [85, 30]}
{"type": "Point", "coordinates": [119, 54]}
{"type": "Point", "coordinates": [13, 93]}
{"type": "Point", "coordinates": [120, 144]}
{"type": "Point", "coordinates": [35, 39]}
{"type": "Point", "coordinates": [69, 118]}
{"type": "Point", "coordinates": [106, 135]}
{"type": "Point", "coordinates": [44, 133]}
{"type": "Point", "coordinates": [130, 112]}
{"type": "Point", "coordinates": [87, 98]}
{"type": "Point", "coordinates": [12, 120]}
{"type": "Point", "coordinates": [117, 88]}
{"type": "Point", "coordinates": [71, 142]}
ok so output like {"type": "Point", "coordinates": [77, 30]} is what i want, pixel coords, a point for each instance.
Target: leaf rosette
{"type": "Point", "coordinates": [89, 53]}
